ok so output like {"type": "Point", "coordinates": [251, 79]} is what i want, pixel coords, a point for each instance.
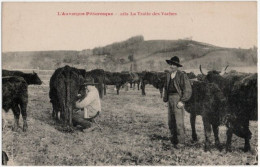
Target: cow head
{"type": "Point", "coordinates": [34, 79]}
{"type": "Point", "coordinates": [212, 75]}
{"type": "Point", "coordinates": [191, 75]}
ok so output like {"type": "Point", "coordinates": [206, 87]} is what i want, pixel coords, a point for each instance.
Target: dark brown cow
{"type": "Point", "coordinates": [208, 101]}
{"type": "Point", "coordinates": [64, 86]}
{"type": "Point", "coordinates": [157, 79]}
{"type": "Point", "coordinates": [241, 93]}
{"type": "Point", "coordinates": [117, 79]}
{"type": "Point", "coordinates": [30, 78]}
{"type": "Point", "coordinates": [15, 97]}
{"type": "Point", "coordinates": [191, 75]}
{"type": "Point", "coordinates": [135, 79]}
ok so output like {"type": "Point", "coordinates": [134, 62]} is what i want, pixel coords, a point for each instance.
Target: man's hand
{"type": "Point", "coordinates": [180, 105]}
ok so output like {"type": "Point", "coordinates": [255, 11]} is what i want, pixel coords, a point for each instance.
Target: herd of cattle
{"type": "Point", "coordinates": [220, 98]}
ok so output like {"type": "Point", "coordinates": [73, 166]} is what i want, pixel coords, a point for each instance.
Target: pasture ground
{"type": "Point", "coordinates": [135, 132]}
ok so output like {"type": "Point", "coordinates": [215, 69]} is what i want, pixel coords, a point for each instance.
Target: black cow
{"type": "Point", "coordinates": [117, 79]}
{"type": "Point", "coordinates": [242, 103]}
{"type": "Point", "coordinates": [30, 78]}
{"type": "Point", "coordinates": [241, 93]}
{"type": "Point", "coordinates": [15, 97]}
{"type": "Point", "coordinates": [64, 85]}
{"type": "Point", "coordinates": [208, 101]}
{"type": "Point", "coordinates": [135, 79]}
{"type": "Point", "coordinates": [5, 158]}
{"type": "Point", "coordinates": [157, 79]}
{"type": "Point", "coordinates": [191, 75]}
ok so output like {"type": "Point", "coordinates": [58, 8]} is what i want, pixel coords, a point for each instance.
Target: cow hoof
{"type": "Point", "coordinates": [219, 147]}
{"type": "Point", "coordinates": [25, 127]}
{"type": "Point", "coordinates": [246, 149]}
{"type": "Point", "coordinates": [194, 138]}
{"type": "Point", "coordinates": [228, 149]}
{"type": "Point", "coordinates": [206, 149]}
{"type": "Point", "coordinates": [15, 129]}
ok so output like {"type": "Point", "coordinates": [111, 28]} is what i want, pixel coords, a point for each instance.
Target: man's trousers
{"type": "Point", "coordinates": [176, 120]}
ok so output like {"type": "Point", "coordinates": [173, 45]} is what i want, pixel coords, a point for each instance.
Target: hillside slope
{"type": "Point", "coordinates": [135, 52]}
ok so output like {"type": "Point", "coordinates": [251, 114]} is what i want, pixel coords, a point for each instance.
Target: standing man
{"type": "Point", "coordinates": [177, 90]}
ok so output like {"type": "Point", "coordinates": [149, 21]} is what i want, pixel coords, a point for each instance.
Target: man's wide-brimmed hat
{"type": "Point", "coordinates": [89, 81]}
{"type": "Point", "coordinates": [174, 61]}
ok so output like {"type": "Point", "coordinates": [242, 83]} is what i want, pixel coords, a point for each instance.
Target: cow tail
{"type": "Point", "coordinates": [68, 104]}
{"type": "Point", "coordinates": [67, 100]}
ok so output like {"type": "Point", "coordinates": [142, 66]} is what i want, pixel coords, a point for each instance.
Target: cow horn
{"type": "Point", "coordinates": [201, 70]}
{"type": "Point", "coordinates": [224, 71]}
{"type": "Point", "coordinates": [226, 68]}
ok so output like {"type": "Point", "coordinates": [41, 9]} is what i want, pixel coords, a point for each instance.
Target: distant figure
{"type": "Point", "coordinates": [4, 158]}
{"type": "Point", "coordinates": [91, 102]}
{"type": "Point", "coordinates": [177, 90]}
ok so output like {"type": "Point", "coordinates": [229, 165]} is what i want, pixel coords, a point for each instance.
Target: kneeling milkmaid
{"type": "Point", "coordinates": [91, 102]}
{"type": "Point", "coordinates": [177, 90]}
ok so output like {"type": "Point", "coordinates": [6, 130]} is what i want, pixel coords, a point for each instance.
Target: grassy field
{"type": "Point", "coordinates": [135, 132]}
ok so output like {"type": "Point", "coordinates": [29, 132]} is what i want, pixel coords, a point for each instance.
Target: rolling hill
{"type": "Point", "coordinates": [135, 52]}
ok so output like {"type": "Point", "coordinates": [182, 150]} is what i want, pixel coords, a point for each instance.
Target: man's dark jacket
{"type": "Point", "coordinates": [182, 85]}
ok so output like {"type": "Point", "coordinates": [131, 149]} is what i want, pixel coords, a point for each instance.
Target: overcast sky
{"type": "Point", "coordinates": [37, 26]}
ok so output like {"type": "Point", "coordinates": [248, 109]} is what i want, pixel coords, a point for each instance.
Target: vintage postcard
{"type": "Point", "coordinates": [129, 83]}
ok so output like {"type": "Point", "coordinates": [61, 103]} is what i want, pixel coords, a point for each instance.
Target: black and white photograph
{"type": "Point", "coordinates": [169, 83]}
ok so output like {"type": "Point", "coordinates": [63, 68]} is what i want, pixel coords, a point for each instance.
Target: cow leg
{"type": "Point", "coordinates": [215, 131]}
{"type": "Point", "coordinates": [193, 126]}
{"type": "Point", "coordinates": [16, 112]}
{"type": "Point", "coordinates": [105, 89]}
{"type": "Point", "coordinates": [117, 89]}
{"type": "Point", "coordinates": [247, 146]}
{"type": "Point", "coordinates": [161, 91]}
{"type": "Point", "coordinates": [101, 88]}
{"type": "Point", "coordinates": [131, 83]}
{"type": "Point", "coordinates": [23, 106]}
{"type": "Point", "coordinates": [54, 112]}
{"type": "Point", "coordinates": [207, 131]}
{"type": "Point", "coordinates": [248, 136]}
{"type": "Point", "coordinates": [138, 86]}
{"type": "Point", "coordinates": [143, 89]}
{"type": "Point", "coordinates": [62, 111]}
{"type": "Point", "coordinates": [229, 138]}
